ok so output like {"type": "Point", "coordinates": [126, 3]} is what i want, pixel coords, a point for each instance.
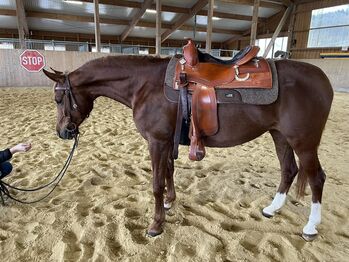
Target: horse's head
{"type": "Point", "coordinates": [73, 105]}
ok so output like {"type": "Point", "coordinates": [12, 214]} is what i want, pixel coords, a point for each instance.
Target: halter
{"type": "Point", "coordinates": [67, 91]}
{"type": "Point", "coordinates": [66, 87]}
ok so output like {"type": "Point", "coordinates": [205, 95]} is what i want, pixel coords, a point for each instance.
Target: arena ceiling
{"type": "Point", "coordinates": [230, 17]}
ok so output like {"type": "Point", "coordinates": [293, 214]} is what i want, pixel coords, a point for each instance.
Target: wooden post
{"type": "Point", "coordinates": [254, 25]}
{"type": "Point", "coordinates": [277, 30]}
{"type": "Point", "coordinates": [97, 28]}
{"type": "Point", "coordinates": [291, 29]}
{"type": "Point", "coordinates": [158, 27]}
{"type": "Point", "coordinates": [23, 30]}
{"type": "Point", "coordinates": [209, 26]}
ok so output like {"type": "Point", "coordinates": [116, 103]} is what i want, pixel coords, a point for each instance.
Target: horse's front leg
{"type": "Point", "coordinates": [159, 152]}
{"type": "Point", "coordinates": [170, 190]}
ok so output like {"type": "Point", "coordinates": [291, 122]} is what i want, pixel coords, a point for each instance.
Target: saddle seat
{"type": "Point", "coordinates": [197, 77]}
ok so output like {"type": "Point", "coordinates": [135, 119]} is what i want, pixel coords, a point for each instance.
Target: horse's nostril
{"type": "Point", "coordinates": [71, 127]}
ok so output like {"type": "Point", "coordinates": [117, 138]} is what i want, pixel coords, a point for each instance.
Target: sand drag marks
{"type": "Point", "coordinates": [103, 206]}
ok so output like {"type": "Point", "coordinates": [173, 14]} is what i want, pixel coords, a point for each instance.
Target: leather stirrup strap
{"type": "Point", "coordinates": [182, 112]}
{"type": "Point", "coordinates": [178, 130]}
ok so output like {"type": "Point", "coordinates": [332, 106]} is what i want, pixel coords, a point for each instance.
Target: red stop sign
{"type": "Point", "coordinates": [32, 60]}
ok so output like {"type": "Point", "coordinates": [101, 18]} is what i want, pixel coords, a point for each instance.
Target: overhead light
{"type": "Point", "coordinates": [216, 18]}
{"type": "Point", "coordinates": [73, 2]}
{"type": "Point", "coordinates": [151, 11]}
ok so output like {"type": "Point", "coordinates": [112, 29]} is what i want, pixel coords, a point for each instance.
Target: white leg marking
{"type": "Point", "coordinates": [278, 201]}
{"type": "Point", "coordinates": [167, 205]}
{"type": "Point", "coordinates": [314, 219]}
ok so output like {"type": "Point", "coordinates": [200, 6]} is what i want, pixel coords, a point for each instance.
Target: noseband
{"type": "Point", "coordinates": [66, 87]}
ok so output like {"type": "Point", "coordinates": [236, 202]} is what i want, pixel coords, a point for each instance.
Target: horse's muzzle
{"type": "Point", "coordinates": [70, 132]}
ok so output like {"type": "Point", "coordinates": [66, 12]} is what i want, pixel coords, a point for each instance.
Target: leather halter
{"type": "Point", "coordinates": [67, 91]}
{"type": "Point", "coordinates": [66, 87]}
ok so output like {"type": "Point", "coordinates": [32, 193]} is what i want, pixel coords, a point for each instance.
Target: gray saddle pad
{"type": "Point", "coordinates": [252, 96]}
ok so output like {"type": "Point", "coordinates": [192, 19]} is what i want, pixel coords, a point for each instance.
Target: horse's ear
{"type": "Point", "coordinates": [54, 76]}
{"type": "Point", "coordinates": [57, 72]}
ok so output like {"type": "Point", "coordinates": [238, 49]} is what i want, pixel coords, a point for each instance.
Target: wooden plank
{"type": "Point", "coordinates": [7, 12]}
{"type": "Point", "coordinates": [267, 4]}
{"type": "Point", "coordinates": [232, 16]}
{"type": "Point", "coordinates": [22, 24]}
{"type": "Point", "coordinates": [278, 29]}
{"type": "Point", "coordinates": [65, 36]}
{"type": "Point", "coordinates": [158, 28]}
{"type": "Point", "coordinates": [196, 8]}
{"type": "Point", "coordinates": [146, 4]}
{"type": "Point", "coordinates": [254, 25]}
{"type": "Point", "coordinates": [97, 28]}
{"type": "Point", "coordinates": [175, 9]}
{"type": "Point", "coordinates": [290, 35]}
{"type": "Point", "coordinates": [209, 25]}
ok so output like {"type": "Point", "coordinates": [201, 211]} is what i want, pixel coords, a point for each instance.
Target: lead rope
{"type": "Point", "coordinates": [4, 186]}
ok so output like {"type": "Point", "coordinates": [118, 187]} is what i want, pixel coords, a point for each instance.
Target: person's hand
{"type": "Point", "coordinates": [22, 147]}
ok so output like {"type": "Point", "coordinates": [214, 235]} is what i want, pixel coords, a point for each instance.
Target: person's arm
{"type": "Point", "coordinates": [22, 147]}
{"type": "Point", "coordinates": [8, 153]}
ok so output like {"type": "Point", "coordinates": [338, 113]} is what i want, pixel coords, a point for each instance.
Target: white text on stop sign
{"type": "Point", "coordinates": [32, 60]}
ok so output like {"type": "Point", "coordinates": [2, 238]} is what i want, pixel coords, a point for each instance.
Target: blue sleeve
{"type": "Point", "coordinates": [5, 155]}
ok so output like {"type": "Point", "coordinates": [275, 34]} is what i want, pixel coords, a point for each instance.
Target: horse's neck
{"type": "Point", "coordinates": [120, 82]}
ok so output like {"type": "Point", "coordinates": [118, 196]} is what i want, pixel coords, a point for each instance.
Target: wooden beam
{"type": "Point", "coordinates": [8, 12]}
{"type": "Point", "coordinates": [248, 32]}
{"type": "Point", "coordinates": [90, 19]}
{"type": "Point", "coordinates": [209, 25]}
{"type": "Point", "coordinates": [278, 29]}
{"type": "Point", "coordinates": [267, 4]}
{"type": "Point", "coordinates": [59, 36]}
{"type": "Point", "coordinates": [158, 28]}
{"type": "Point", "coordinates": [232, 16]}
{"type": "Point", "coordinates": [174, 9]}
{"type": "Point", "coordinates": [146, 4]}
{"type": "Point", "coordinates": [290, 32]}
{"type": "Point", "coordinates": [254, 25]}
{"type": "Point", "coordinates": [196, 8]}
{"type": "Point", "coordinates": [97, 28]}
{"type": "Point", "coordinates": [288, 2]}
{"type": "Point", "coordinates": [22, 24]}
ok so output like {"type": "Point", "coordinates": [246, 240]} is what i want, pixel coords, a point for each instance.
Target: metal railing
{"type": "Point", "coordinates": [53, 45]}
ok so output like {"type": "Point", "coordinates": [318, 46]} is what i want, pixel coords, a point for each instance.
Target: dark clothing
{"type": "Point", "coordinates": [5, 155]}
{"type": "Point", "coordinates": [5, 167]}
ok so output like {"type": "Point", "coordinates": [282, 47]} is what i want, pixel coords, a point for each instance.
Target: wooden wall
{"type": "Point", "coordinates": [13, 75]}
{"type": "Point", "coordinates": [301, 29]}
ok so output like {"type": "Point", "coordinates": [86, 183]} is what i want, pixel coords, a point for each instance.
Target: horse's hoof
{"type": "Point", "coordinates": [266, 214]}
{"type": "Point", "coordinates": [167, 205]}
{"type": "Point", "coordinates": [153, 233]}
{"type": "Point", "coordinates": [308, 237]}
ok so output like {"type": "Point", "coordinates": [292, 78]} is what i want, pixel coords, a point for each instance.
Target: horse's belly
{"type": "Point", "coordinates": [239, 124]}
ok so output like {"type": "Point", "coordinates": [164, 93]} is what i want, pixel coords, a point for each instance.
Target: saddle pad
{"type": "Point", "coordinates": [252, 96]}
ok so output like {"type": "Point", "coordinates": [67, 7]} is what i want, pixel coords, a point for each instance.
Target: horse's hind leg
{"type": "Point", "coordinates": [289, 170]}
{"type": "Point", "coordinates": [170, 189]}
{"type": "Point", "coordinates": [311, 171]}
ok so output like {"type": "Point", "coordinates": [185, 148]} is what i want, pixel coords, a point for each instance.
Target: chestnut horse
{"type": "Point", "coordinates": [295, 121]}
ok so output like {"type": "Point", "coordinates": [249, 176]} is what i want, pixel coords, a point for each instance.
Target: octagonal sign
{"type": "Point", "coordinates": [32, 60]}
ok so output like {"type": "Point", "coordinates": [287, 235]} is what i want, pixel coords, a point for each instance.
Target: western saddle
{"type": "Point", "coordinates": [198, 75]}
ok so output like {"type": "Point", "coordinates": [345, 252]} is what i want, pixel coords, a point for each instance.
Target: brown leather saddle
{"type": "Point", "coordinates": [198, 76]}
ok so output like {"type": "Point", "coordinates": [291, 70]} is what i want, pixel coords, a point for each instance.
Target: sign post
{"type": "Point", "coordinates": [32, 60]}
